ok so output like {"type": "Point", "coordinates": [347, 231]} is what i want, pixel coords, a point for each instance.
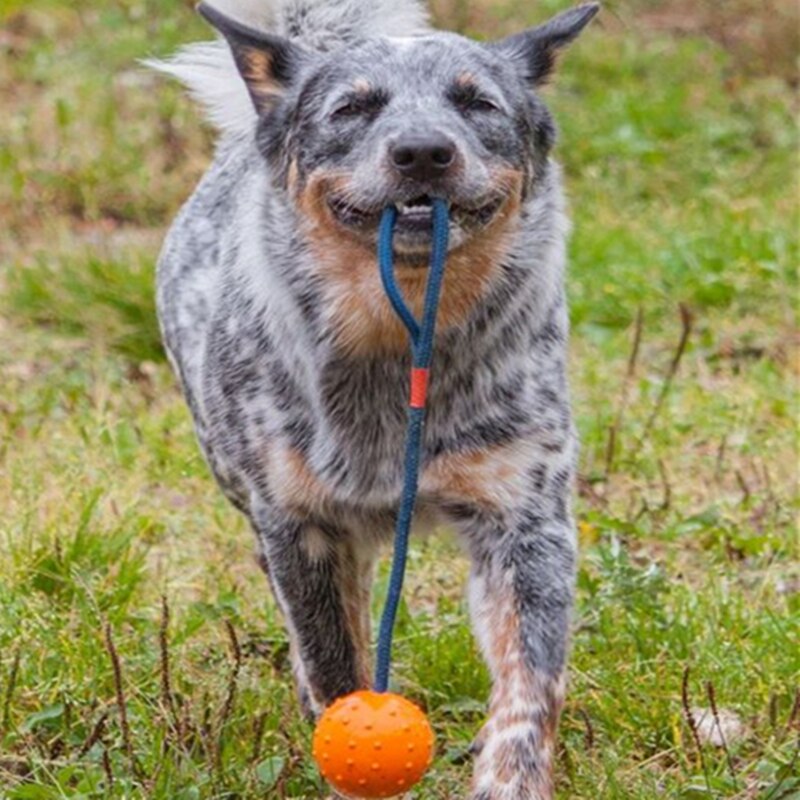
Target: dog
{"type": "Point", "coordinates": [296, 370]}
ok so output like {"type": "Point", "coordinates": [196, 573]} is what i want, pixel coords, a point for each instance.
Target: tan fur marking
{"type": "Point", "coordinates": [294, 484]}
{"type": "Point", "coordinates": [354, 587]}
{"type": "Point", "coordinates": [466, 78]}
{"type": "Point", "coordinates": [316, 544]}
{"type": "Point", "coordinates": [298, 489]}
{"type": "Point", "coordinates": [362, 86]}
{"type": "Point", "coordinates": [358, 309]}
{"type": "Point", "coordinates": [293, 178]}
{"type": "Point", "coordinates": [256, 69]}
{"type": "Point", "coordinates": [518, 692]}
{"type": "Point", "coordinates": [494, 478]}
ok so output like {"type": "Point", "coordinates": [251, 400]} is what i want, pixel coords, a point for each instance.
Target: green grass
{"type": "Point", "coordinates": [681, 166]}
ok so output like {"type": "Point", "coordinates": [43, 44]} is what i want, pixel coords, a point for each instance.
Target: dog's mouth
{"type": "Point", "coordinates": [414, 225]}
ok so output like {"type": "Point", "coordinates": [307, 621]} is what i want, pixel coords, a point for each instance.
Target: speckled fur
{"type": "Point", "coordinates": [275, 323]}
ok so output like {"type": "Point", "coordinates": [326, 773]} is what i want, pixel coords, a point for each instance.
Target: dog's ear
{"type": "Point", "coordinates": [267, 63]}
{"type": "Point", "coordinates": [535, 50]}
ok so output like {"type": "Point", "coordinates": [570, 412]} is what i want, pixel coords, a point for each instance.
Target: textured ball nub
{"type": "Point", "coordinates": [373, 745]}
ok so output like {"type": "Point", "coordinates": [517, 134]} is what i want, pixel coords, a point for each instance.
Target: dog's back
{"type": "Point", "coordinates": [296, 370]}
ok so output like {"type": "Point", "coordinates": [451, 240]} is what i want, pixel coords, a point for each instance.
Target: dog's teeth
{"type": "Point", "coordinates": [413, 208]}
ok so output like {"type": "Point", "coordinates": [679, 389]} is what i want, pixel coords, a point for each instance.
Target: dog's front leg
{"type": "Point", "coordinates": [321, 582]}
{"type": "Point", "coordinates": [521, 590]}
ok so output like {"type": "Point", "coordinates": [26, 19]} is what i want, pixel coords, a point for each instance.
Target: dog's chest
{"type": "Point", "coordinates": [333, 433]}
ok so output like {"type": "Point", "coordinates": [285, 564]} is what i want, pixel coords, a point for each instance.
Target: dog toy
{"type": "Point", "coordinates": [378, 744]}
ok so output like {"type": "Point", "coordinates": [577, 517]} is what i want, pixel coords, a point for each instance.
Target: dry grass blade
{"type": "Point", "coordinates": [258, 735]}
{"type": "Point", "coordinates": [712, 699]}
{"type": "Point", "coordinates": [773, 711]}
{"type": "Point", "coordinates": [230, 697]}
{"type": "Point", "coordinates": [95, 736]}
{"type": "Point", "coordinates": [692, 722]}
{"type": "Point", "coordinates": [107, 768]}
{"type": "Point", "coordinates": [13, 675]}
{"type": "Point", "coordinates": [589, 736]}
{"type": "Point", "coordinates": [686, 332]}
{"type": "Point", "coordinates": [666, 502]}
{"type": "Point", "coordinates": [630, 373]}
{"type": "Point", "coordinates": [163, 645]}
{"type": "Point", "coordinates": [794, 715]}
{"type": "Point", "coordinates": [122, 705]}
{"type": "Point", "coordinates": [744, 486]}
{"type": "Point", "coordinates": [236, 651]}
{"type": "Point", "coordinates": [720, 462]}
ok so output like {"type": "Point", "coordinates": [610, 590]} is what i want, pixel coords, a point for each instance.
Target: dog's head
{"type": "Point", "coordinates": [398, 121]}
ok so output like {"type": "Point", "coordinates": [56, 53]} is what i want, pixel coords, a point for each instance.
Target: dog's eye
{"type": "Point", "coordinates": [469, 99]}
{"type": "Point", "coordinates": [361, 105]}
{"type": "Point", "coordinates": [483, 104]}
{"type": "Point", "coordinates": [350, 109]}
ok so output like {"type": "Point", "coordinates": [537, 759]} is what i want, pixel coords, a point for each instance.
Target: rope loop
{"type": "Point", "coordinates": [422, 337]}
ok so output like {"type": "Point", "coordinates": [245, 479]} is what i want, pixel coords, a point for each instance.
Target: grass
{"type": "Point", "coordinates": [681, 164]}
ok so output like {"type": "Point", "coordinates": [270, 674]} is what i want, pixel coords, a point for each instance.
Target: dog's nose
{"type": "Point", "coordinates": [423, 157]}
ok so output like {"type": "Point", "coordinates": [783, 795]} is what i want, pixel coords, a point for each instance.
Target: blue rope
{"type": "Point", "coordinates": [422, 336]}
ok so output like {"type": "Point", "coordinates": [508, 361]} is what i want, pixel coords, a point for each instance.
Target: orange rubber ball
{"type": "Point", "coordinates": [373, 745]}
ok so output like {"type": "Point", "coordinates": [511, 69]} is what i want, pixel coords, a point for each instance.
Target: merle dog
{"type": "Point", "coordinates": [296, 369]}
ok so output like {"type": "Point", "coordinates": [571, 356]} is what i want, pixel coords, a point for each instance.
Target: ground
{"type": "Point", "coordinates": [679, 145]}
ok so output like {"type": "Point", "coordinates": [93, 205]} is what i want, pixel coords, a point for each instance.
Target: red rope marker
{"type": "Point", "coordinates": [419, 387]}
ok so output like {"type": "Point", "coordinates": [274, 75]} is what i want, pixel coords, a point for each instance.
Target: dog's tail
{"type": "Point", "coordinates": [207, 69]}
{"type": "Point", "coordinates": [326, 24]}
